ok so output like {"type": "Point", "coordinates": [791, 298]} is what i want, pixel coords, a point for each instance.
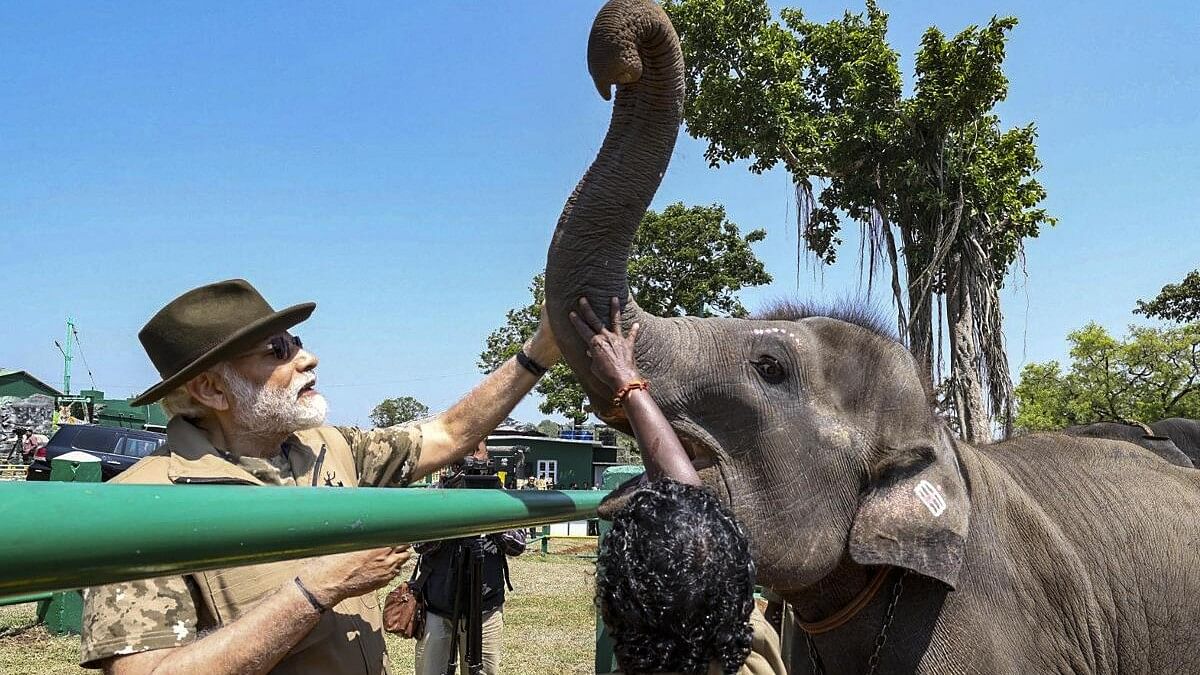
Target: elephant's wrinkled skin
{"type": "Point", "coordinates": [1160, 444]}
{"type": "Point", "coordinates": [1042, 554]}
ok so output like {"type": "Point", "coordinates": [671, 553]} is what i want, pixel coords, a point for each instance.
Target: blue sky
{"type": "Point", "coordinates": [403, 165]}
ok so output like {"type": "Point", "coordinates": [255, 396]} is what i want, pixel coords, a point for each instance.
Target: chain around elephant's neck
{"type": "Point", "coordinates": [845, 614]}
{"type": "Point", "coordinates": [849, 612]}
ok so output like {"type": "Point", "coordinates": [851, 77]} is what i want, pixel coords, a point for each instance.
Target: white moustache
{"type": "Point", "coordinates": [302, 383]}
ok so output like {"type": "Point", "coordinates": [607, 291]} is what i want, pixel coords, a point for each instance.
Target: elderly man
{"type": "Point", "coordinates": [241, 392]}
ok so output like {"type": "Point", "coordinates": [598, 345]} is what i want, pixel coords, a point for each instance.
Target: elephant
{"type": "Point", "coordinates": [1184, 433]}
{"type": "Point", "coordinates": [900, 548]}
{"type": "Point", "coordinates": [1147, 437]}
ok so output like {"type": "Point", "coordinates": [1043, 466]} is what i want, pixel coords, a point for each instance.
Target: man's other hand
{"type": "Point", "coordinates": [332, 579]}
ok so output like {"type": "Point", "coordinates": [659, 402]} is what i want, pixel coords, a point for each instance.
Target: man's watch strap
{"type": "Point", "coordinates": [312, 599]}
{"type": "Point", "coordinates": [529, 364]}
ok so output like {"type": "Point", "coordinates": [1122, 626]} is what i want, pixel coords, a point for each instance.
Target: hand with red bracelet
{"type": "Point", "coordinates": [613, 363]}
{"type": "Point", "coordinates": [611, 351]}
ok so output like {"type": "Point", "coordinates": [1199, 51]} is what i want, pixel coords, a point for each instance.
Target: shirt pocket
{"type": "Point", "coordinates": [237, 590]}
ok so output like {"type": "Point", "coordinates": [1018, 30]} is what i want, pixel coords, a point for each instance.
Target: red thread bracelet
{"type": "Point", "coordinates": [627, 389]}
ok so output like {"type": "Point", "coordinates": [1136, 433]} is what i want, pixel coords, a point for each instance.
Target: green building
{"type": "Point", "coordinates": [118, 413]}
{"type": "Point", "coordinates": [562, 461]}
{"type": "Point", "coordinates": [20, 384]}
{"type": "Point", "coordinates": [27, 402]}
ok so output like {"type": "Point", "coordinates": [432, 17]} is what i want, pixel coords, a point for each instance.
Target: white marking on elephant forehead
{"type": "Point", "coordinates": [181, 631]}
{"type": "Point", "coordinates": [931, 497]}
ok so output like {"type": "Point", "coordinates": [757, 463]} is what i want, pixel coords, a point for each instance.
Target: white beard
{"type": "Point", "coordinates": [264, 411]}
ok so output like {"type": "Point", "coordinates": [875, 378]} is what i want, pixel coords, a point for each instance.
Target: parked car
{"type": "Point", "coordinates": [117, 448]}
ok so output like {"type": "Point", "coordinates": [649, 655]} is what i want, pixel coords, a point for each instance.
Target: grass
{"type": "Point", "coordinates": [549, 626]}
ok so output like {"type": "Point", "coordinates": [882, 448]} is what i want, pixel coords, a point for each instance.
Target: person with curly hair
{"type": "Point", "coordinates": [675, 579]}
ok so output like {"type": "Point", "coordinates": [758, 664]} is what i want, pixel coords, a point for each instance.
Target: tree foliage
{"type": "Point", "coordinates": [398, 410]}
{"type": "Point", "coordinates": [1175, 302]}
{"type": "Point", "coordinates": [940, 191]}
{"type": "Point", "coordinates": [683, 261]}
{"type": "Point", "coordinates": [691, 261]}
{"type": "Point", "coordinates": [1153, 373]}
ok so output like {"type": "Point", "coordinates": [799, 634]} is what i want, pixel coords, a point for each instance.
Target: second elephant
{"type": "Point", "coordinates": [1175, 439]}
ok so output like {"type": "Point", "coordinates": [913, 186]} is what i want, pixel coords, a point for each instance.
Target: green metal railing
{"type": "Point", "coordinates": [22, 599]}
{"type": "Point", "coordinates": [92, 534]}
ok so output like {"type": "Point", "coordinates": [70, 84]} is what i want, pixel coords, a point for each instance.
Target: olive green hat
{"type": "Point", "coordinates": [208, 325]}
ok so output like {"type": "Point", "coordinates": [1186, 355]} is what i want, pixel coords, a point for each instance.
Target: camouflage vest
{"type": "Point", "coordinates": [348, 639]}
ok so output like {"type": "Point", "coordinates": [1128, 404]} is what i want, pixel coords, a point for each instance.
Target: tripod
{"type": "Point", "coordinates": [468, 606]}
{"type": "Point", "coordinates": [18, 449]}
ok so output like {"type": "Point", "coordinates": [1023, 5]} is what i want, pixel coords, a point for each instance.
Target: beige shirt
{"type": "Point", "coordinates": [167, 612]}
{"type": "Point", "coordinates": [766, 655]}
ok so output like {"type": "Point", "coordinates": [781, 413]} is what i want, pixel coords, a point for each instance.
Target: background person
{"type": "Point", "coordinates": [33, 442]}
{"type": "Point", "coordinates": [241, 392]}
{"type": "Point", "coordinates": [440, 583]}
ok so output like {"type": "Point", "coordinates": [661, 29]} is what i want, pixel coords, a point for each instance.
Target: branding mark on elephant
{"type": "Point", "coordinates": [931, 497]}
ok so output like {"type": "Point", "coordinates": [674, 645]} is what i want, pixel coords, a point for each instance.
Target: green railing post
{"type": "Point", "coordinates": [613, 477]}
{"type": "Point", "coordinates": [25, 599]}
{"type": "Point", "coordinates": [63, 612]}
{"type": "Point", "coordinates": [545, 539]}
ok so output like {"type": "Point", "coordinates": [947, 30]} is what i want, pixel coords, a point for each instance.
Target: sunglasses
{"type": "Point", "coordinates": [284, 347]}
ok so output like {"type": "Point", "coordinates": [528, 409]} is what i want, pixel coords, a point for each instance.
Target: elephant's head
{"type": "Point", "coordinates": [815, 429]}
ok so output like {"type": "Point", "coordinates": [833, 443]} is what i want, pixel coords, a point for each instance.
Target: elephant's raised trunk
{"type": "Point", "coordinates": [633, 46]}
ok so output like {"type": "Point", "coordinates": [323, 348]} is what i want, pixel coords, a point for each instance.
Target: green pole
{"type": "Point", "coordinates": [22, 599]}
{"type": "Point", "coordinates": [67, 357]}
{"type": "Point", "coordinates": [545, 539]}
{"type": "Point", "coordinates": [115, 533]}
{"type": "Point", "coordinates": [613, 477]}
{"type": "Point", "coordinates": [62, 612]}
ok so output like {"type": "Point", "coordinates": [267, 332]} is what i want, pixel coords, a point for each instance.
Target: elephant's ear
{"type": "Point", "coordinates": [917, 512]}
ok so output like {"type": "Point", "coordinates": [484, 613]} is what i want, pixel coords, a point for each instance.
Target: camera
{"type": "Point", "coordinates": [490, 468]}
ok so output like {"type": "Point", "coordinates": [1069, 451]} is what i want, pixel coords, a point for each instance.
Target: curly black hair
{"type": "Point", "coordinates": [675, 582]}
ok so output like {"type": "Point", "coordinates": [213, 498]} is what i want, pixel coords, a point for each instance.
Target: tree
{"type": "Point", "coordinates": [684, 261]}
{"type": "Point", "coordinates": [1175, 302]}
{"type": "Point", "coordinates": [1043, 398]}
{"type": "Point", "coordinates": [1152, 374]}
{"type": "Point", "coordinates": [691, 261]}
{"type": "Point", "coordinates": [939, 190]}
{"type": "Point", "coordinates": [549, 428]}
{"type": "Point", "coordinates": [399, 410]}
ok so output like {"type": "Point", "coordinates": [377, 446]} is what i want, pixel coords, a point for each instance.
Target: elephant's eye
{"type": "Point", "coordinates": [771, 370]}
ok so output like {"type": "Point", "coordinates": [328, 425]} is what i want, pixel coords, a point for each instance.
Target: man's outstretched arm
{"type": "Point", "coordinates": [455, 433]}
{"type": "Point", "coordinates": [256, 642]}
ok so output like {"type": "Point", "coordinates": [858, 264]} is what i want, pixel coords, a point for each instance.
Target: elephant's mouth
{"type": "Point", "coordinates": [701, 449]}
{"type": "Point", "coordinates": [707, 457]}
